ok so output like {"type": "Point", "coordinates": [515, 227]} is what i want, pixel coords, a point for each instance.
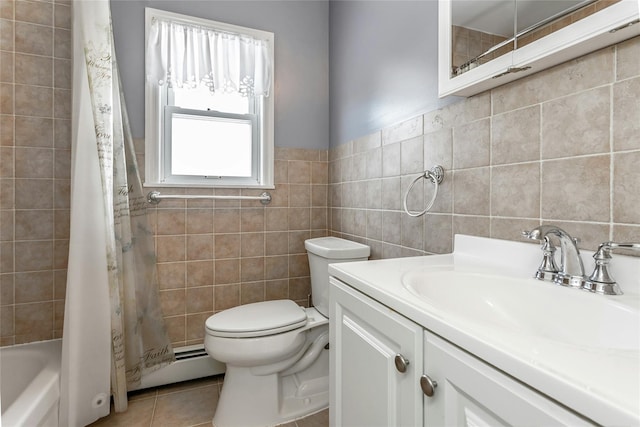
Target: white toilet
{"type": "Point", "coordinates": [276, 351]}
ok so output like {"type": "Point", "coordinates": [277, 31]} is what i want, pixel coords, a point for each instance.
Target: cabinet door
{"type": "Point", "coordinates": [366, 387]}
{"type": "Point", "coordinates": [470, 392]}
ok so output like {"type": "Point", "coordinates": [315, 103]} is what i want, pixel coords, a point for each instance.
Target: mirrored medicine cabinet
{"type": "Point", "coordinates": [487, 43]}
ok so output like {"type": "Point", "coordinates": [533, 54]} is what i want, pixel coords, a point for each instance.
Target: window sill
{"type": "Point", "coordinates": [229, 186]}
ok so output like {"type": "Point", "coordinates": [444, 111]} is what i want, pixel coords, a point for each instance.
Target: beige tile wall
{"type": "Point", "coordinates": [468, 44]}
{"type": "Point", "coordinates": [214, 255]}
{"type": "Point", "coordinates": [210, 256]}
{"type": "Point", "coordinates": [35, 106]}
{"type": "Point", "coordinates": [561, 146]}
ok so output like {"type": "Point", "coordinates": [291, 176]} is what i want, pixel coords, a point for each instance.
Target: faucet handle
{"type": "Point", "coordinates": [601, 281]}
{"type": "Point", "coordinates": [548, 269]}
{"type": "Point", "coordinates": [606, 247]}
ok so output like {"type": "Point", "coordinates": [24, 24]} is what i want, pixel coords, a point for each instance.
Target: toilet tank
{"type": "Point", "coordinates": [323, 251]}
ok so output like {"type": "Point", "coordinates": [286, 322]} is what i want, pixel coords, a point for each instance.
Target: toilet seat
{"type": "Point", "coordinates": [257, 319]}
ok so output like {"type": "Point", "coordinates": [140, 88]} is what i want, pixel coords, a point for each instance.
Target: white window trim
{"type": "Point", "coordinates": [154, 112]}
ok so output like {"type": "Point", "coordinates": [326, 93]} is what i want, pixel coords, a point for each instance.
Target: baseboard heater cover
{"type": "Point", "coordinates": [191, 362]}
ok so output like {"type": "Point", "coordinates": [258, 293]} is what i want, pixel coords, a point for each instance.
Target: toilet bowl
{"type": "Point", "coordinates": [276, 352]}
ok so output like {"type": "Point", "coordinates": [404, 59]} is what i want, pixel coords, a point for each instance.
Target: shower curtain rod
{"type": "Point", "coordinates": [154, 197]}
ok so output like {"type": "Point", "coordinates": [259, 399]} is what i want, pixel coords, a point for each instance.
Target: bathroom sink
{"type": "Point", "coordinates": [576, 347]}
{"type": "Point", "coordinates": [529, 307]}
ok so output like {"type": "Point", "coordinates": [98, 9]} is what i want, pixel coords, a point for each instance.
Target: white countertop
{"type": "Point", "coordinates": [602, 384]}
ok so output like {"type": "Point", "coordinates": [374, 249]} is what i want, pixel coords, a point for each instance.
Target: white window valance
{"type": "Point", "coordinates": [185, 55]}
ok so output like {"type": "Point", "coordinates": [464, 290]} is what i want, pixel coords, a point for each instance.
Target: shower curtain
{"type": "Point", "coordinates": [113, 327]}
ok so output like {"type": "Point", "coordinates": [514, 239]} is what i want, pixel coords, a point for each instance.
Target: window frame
{"type": "Point", "coordinates": [158, 99]}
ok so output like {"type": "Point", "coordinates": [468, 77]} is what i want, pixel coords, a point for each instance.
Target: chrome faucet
{"type": "Point", "coordinates": [571, 271]}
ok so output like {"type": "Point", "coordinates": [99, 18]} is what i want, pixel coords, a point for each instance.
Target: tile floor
{"type": "Point", "coordinates": [186, 404]}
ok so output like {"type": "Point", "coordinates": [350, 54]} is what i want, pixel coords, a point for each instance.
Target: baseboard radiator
{"type": "Point", "coordinates": [191, 362]}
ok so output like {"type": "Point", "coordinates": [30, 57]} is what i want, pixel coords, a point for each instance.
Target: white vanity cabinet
{"type": "Point", "coordinates": [370, 346]}
{"type": "Point", "coordinates": [366, 387]}
{"type": "Point", "coordinates": [470, 392]}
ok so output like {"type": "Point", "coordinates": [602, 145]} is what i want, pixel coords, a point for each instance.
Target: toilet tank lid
{"type": "Point", "coordinates": [259, 316]}
{"type": "Point", "coordinates": [336, 248]}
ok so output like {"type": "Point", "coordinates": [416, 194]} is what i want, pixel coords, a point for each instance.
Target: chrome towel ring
{"type": "Point", "coordinates": [434, 175]}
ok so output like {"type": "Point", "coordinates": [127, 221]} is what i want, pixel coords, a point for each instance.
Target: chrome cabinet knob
{"type": "Point", "coordinates": [428, 385]}
{"type": "Point", "coordinates": [401, 363]}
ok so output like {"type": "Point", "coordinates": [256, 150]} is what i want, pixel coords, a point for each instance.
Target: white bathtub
{"type": "Point", "coordinates": [30, 384]}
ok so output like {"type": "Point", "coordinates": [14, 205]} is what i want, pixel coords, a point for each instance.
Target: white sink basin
{"type": "Point", "coordinates": [528, 306]}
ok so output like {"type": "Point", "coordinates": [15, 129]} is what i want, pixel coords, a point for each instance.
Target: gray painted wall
{"type": "Point", "coordinates": [301, 59]}
{"type": "Point", "coordinates": [383, 64]}
{"type": "Point", "coordinates": [344, 68]}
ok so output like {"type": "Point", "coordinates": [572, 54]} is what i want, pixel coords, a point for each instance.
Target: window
{"type": "Point", "coordinates": [208, 110]}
